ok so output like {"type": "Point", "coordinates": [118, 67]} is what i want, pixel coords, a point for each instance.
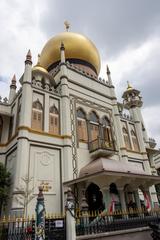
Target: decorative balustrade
{"type": "Point", "coordinates": [47, 87]}
{"type": "Point", "coordinates": [4, 100]}
{"type": "Point", "coordinates": [152, 142]}
{"type": "Point", "coordinates": [87, 74]}
{"type": "Point", "coordinates": [126, 116]}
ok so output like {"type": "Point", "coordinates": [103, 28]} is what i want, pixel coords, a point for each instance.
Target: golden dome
{"type": "Point", "coordinates": [77, 47]}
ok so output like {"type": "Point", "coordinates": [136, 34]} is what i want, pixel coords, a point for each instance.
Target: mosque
{"type": "Point", "coordinates": [65, 128]}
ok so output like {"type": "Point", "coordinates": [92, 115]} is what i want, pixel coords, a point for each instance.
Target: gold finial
{"type": "Point", "coordinates": [38, 61]}
{"type": "Point", "coordinates": [67, 25]}
{"type": "Point", "coordinates": [129, 86]}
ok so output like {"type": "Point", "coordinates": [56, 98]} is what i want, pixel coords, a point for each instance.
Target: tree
{"type": "Point", "coordinates": [25, 194]}
{"type": "Point", "coordinates": [5, 181]}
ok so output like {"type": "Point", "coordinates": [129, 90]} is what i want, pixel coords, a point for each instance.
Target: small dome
{"type": "Point", "coordinates": [78, 49]}
{"type": "Point", "coordinates": [39, 68]}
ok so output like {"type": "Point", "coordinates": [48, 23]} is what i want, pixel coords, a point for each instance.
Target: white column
{"type": "Point", "coordinates": [26, 105]}
{"type": "Point", "coordinates": [22, 161]}
{"type": "Point", "coordinates": [70, 219]}
{"type": "Point", "coordinates": [70, 226]}
{"type": "Point", "coordinates": [119, 134]}
{"type": "Point", "coordinates": [106, 196]}
{"type": "Point", "coordinates": [145, 135]}
{"type": "Point", "coordinates": [67, 162]}
{"type": "Point", "coordinates": [46, 113]}
{"type": "Point", "coordinates": [66, 125]}
{"type": "Point", "coordinates": [21, 171]}
{"type": "Point", "coordinates": [137, 199]}
{"type": "Point", "coordinates": [153, 195]}
{"type": "Point", "coordinates": [122, 199]}
{"type": "Point", "coordinates": [138, 126]}
{"type": "Point", "coordinates": [65, 107]}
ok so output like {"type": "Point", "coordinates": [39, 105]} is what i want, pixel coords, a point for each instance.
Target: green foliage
{"type": "Point", "coordinates": [4, 186]}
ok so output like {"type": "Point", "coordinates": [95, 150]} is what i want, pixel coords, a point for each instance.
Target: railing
{"type": "Point", "coordinates": [24, 229]}
{"type": "Point", "coordinates": [93, 223]}
{"type": "Point", "coordinates": [17, 228]}
{"type": "Point", "coordinates": [100, 143]}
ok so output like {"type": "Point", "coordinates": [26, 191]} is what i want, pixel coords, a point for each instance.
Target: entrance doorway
{"type": "Point", "coordinates": [94, 198]}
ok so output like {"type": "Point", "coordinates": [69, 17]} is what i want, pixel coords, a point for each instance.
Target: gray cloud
{"type": "Point", "coordinates": [3, 79]}
{"type": "Point", "coordinates": [146, 78]}
{"type": "Point", "coordinates": [112, 25]}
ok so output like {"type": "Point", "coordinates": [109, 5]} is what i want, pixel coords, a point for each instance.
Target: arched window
{"type": "Point", "coordinates": [106, 132]}
{"type": "Point", "coordinates": [1, 127]}
{"type": "Point", "coordinates": [94, 126]}
{"type": "Point", "coordinates": [81, 125]}
{"type": "Point", "coordinates": [126, 138]}
{"type": "Point", "coordinates": [53, 120]}
{"type": "Point", "coordinates": [37, 115]}
{"type": "Point", "coordinates": [135, 141]}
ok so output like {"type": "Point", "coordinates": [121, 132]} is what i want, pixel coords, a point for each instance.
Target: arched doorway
{"type": "Point", "coordinates": [94, 198]}
{"type": "Point", "coordinates": [130, 198]}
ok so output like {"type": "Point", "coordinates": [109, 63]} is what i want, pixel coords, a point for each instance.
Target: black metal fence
{"type": "Point", "coordinates": [24, 229]}
{"type": "Point", "coordinates": [91, 223]}
{"type": "Point", "coordinates": [17, 228]}
{"type": "Point", "coordinates": [156, 231]}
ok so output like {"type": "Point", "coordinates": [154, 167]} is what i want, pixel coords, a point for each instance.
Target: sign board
{"type": "Point", "coordinates": [59, 223]}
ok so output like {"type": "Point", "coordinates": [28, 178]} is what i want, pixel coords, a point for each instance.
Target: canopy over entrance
{"type": "Point", "coordinates": [105, 170]}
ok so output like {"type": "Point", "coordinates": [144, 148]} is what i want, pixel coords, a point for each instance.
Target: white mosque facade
{"type": "Point", "coordinates": [64, 127]}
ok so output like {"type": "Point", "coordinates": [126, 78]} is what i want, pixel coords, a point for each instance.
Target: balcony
{"type": "Point", "coordinates": [101, 148]}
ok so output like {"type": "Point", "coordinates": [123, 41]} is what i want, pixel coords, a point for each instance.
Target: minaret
{"type": "Point", "coordinates": [22, 160]}
{"type": "Point", "coordinates": [109, 76]}
{"type": "Point", "coordinates": [66, 116]}
{"type": "Point", "coordinates": [133, 102]}
{"type": "Point", "coordinates": [26, 107]}
{"type": "Point", "coordinates": [118, 129]}
{"type": "Point", "coordinates": [62, 49]}
{"type": "Point", "coordinates": [65, 93]}
{"type": "Point", "coordinates": [13, 87]}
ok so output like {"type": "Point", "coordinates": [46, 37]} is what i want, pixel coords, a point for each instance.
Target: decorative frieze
{"type": "Point", "coordinates": [46, 87]}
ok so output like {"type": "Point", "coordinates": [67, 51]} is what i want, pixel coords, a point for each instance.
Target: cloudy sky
{"type": "Point", "coordinates": [126, 33]}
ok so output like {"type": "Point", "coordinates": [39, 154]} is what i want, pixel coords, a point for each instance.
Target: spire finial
{"type": "Point", "coordinates": [14, 79]}
{"type": "Point", "coordinates": [129, 86]}
{"type": "Point", "coordinates": [62, 46]}
{"type": "Point", "coordinates": [67, 25]}
{"type": "Point", "coordinates": [13, 82]}
{"type": "Point", "coordinates": [38, 61]}
{"type": "Point", "coordinates": [28, 57]}
{"type": "Point", "coordinates": [108, 71]}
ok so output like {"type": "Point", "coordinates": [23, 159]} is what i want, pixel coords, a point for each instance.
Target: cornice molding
{"type": "Point", "coordinates": [43, 133]}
